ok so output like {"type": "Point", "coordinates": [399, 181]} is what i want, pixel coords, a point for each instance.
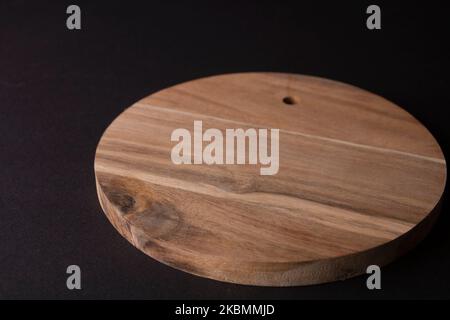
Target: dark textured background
{"type": "Point", "coordinates": [59, 90]}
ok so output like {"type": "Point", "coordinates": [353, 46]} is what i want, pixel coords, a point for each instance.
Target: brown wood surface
{"type": "Point", "coordinates": [359, 181]}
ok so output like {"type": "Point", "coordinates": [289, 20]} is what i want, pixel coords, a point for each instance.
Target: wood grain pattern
{"type": "Point", "coordinates": [359, 181]}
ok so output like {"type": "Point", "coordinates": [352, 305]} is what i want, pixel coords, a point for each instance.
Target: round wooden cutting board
{"type": "Point", "coordinates": [357, 182]}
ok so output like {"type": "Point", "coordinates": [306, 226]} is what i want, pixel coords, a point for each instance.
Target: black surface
{"type": "Point", "coordinates": [59, 90]}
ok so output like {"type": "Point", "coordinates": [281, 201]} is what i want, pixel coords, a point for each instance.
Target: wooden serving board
{"type": "Point", "coordinates": [359, 180]}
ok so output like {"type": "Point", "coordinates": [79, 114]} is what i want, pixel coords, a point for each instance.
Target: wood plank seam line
{"type": "Point", "coordinates": [357, 145]}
